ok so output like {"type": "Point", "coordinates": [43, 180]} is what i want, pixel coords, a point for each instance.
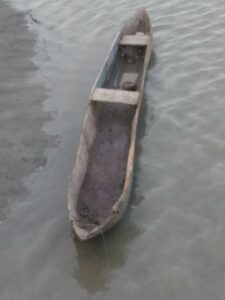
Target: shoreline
{"type": "Point", "coordinates": [22, 116]}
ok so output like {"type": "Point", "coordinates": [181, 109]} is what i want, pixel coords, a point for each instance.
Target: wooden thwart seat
{"type": "Point", "coordinates": [135, 40]}
{"type": "Point", "coordinates": [116, 96]}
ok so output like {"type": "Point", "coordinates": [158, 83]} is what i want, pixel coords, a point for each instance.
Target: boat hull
{"type": "Point", "coordinates": [98, 194]}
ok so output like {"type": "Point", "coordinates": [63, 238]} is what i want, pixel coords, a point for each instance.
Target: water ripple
{"type": "Point", "coordinates": [180, 171]}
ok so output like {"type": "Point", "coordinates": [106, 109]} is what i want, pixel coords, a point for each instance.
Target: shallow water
{"type": "Point", "coordinates": [170, 244]}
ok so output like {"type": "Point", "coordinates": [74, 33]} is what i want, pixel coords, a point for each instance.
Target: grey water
{"type": "Point", "coordinates": [170, 244]}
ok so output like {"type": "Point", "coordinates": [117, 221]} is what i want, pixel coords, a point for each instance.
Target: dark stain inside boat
{"type": "Point", "coordinates": [105, 176]}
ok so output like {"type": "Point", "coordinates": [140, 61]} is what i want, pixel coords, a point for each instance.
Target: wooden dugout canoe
{"type": "Point", "coordinates": [102, 177]}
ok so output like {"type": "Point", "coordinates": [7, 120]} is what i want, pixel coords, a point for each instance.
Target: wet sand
{"type": "Point", "coordinates": [21, 113]}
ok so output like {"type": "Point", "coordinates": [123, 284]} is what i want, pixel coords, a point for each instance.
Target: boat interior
{"type": "Point", "coordinates": [113, 105]}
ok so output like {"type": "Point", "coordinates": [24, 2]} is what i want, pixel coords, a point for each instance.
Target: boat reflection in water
{"type": "Point", "coordinates": [99, 257]}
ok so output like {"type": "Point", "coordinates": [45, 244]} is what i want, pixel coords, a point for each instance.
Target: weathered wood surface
{"type": "Point", "coordinates": [138, 23]}
{"type": "Point", "coordinates": [116, 96]}
{"type": "Point", "coordinates": [135, 40]}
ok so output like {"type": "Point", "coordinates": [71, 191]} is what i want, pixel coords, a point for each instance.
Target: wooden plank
{"type": "Point", "coordinates": [116, 96]}
{"type": "Point", "coordinates": [135, 40]}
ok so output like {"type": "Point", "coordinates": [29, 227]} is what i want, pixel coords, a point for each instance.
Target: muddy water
{"type": "Point", "coordinates": [171, 242]}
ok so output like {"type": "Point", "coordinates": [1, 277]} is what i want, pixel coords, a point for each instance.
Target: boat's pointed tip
{"type": "Point", "coordinates": [81, 233]}
{"type": "Point", "coordinates": [142, 11]}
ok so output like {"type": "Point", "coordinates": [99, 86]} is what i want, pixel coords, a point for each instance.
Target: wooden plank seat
{"type": "Point", "coordinates": [116, 96]}
{"type": "Point", "coordinates": [129, 81]}
{"type": "Point", "coordinates": [135, 40]}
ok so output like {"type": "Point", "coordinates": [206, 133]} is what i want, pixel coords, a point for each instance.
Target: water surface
{"type": "Point", "coordinates": [170, 244]}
